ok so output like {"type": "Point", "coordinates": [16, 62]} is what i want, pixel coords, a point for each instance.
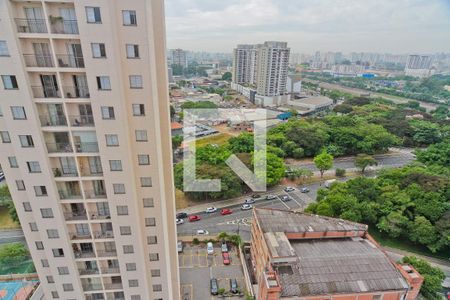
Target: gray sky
{"type": "Point", "coordinates": [395, 26]}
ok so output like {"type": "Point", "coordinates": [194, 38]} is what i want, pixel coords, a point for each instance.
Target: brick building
{"type": "Point", "coordinates": [302, 256]}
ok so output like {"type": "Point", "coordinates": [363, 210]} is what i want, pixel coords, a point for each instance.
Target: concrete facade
{"type": "Point", "coordinates": [86, 146]}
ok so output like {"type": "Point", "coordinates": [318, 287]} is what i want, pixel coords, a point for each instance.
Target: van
{"type": "Point", "coordinates": [210, 248]}
{"type": "Point", "coordinates": [180, 246]}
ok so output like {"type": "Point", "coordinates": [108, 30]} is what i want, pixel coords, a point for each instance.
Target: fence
{"type": "Point", "coordinates": [25, 266]}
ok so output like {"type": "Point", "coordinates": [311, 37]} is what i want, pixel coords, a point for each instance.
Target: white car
{"type": "Point", "coordinates": [211, 209]}
{"type": "Point", "coordinates": [249, 201]}
{"type": "Point", "coordinates": [180, 221]}
{"type": "Point", "coordinates": [246, 206]}
{"type": "Point", "coordinates": [210, 248]}
{"type": "Point", "coordinates": [202, 232]}
{"type": "Point", "coordinates": [289, 189]}
{"type": "Point", "coordinates": [271, 197]}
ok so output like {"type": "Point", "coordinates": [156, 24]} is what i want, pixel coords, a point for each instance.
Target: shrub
{"type": "Point", "coordinates": [340, 172]}
{"type": "Point", "coordinates": [195, 241]}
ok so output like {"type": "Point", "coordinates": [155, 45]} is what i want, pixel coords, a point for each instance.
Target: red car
{"type": "Point", "coordinates": [226, 258]}
{"type": "Point", "coordinates": [194, 218]}
{"type": "Point", "coordinates": [226, 211]}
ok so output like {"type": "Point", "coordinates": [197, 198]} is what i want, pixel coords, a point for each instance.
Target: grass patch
{"type": "Point", "coordinates": [218, 139]}
{"type": "Point", "coordinates": [5, 219]}
{"type": "Point", "coordinates": [181, 201]}
{"type": "Point", "coordinates": [398, 243]}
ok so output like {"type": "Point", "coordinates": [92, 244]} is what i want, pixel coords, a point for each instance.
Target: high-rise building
{"type": "Point", "coordinates": [418, 65]}
{"type": "Point", "coordinates": [178, 57]}
{"type": "Point", "coordinates": [85, 145]}
{"type": "Point", "coordinates": [272, 65]}
{"type": "Point", "coordinates": [244, 64]}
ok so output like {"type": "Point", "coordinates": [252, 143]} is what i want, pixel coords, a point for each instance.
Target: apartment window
{"type": "Point", "coordinates": [112, 140]}
{"type": "Point", "coordinates": [119, 188]}
{"type": "Point", "coordinates": [152, 240]}
{"type": "Point", "coordinates": [20, 185]}
{"type": "Point", "coordinates": [131, 266]}
{"type": "Point", "coordinates": [98, 50]}
{"type": "Point", "coordinates": [103, 83]}
{"type": "Point", "coordinates": [40, 190]}
{"type": "Point", "coordinates": [5, 137]}
{"type": "Point", "coordinates": [138, 110]}
{"type": "Point", "coordinates": [9, 82]}
{"type": "Point", "coordinates": [148, 202]}
{"type": "Point", "coordinates": [125, 230]}
{"type": "Point", "coordinates": [150, 222]}
{"type": "Point", "coordinates": [52, 233]}
{"type": "Point", "coordinates": [4, 48]}
{"type": "Point", "coordinates": [44, 263]}
{"type": "Point", "coordinates": [115, 165]}
{"type": "Point", "coordinates": [135, 297]}
{"type": "Point", "coordinates": [132, 51]}
{"type": "Point", "coordinates": [33, 226]}
{"type": "Point", "coordinates": [34, 167]}
{"type": "Point", "coordinates": [26, 206]}
{"type": "Point", "coordinates": [50, 279]}
{"type": "Point", "coordinates": [26, 141]}
{"type": "Point", "coordinates": [39, 245]}
{"type": "Point", "coordinates": [135, 81]}
{"type": "Point", "coordinates": [129, 17]}
{"type": "Point", "coordinates": [146, 181]}
{"type": "Point", "coordinates": [93, 14]}
{"type": "Point", "coordinates": [153, 256]}
{"type": "Point", "coordinates": [58, 252]}
{"type": "Point", "coordinates": [133, 283]}
{"type": "Point", "coordinates": [108, 113]}
{"type": "Point", "coordinates": [143, 159]}
{"type": "Point", "coordinates": [128, 249]}
{"type": "Point", "coordinates": [63, 270]}
{"type": "Point", "coordinates": [46, 212]}
{"type": "Point", "coordinates": [157, 287]}
{"type": "Point", "coordinates": [13, 162]}
{"type": "Point", "coordinates": [67, 287]}
{"type": "Point", "coordinates": [55, 295]}
{"type": "Point", "coordinates": [18, 113]}
{"type": "Point", "coordinates": [122, 210]}
{"type": "Point", "coordinates": [141, 135]}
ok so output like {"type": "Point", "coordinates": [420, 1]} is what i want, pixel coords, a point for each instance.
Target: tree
{"type": "Point", "coordinates": [362, 161]}
{"type": "Point", "coordinates": [422, 231]}
{"type": "Point", "coordinates": [323, 162]}
{"type": "Point", "coordinates": [227, 76]}
{"type": "Point", "coordinates": [425, 133]}
{"type": "Point", "coordinates": [176, 141]}
{"type": "Point", "coordinates": [13, 212]}
{"type": "Point", "coordinates": [242, 143]}
{"type": "Point", "coordinates": [12, 253]}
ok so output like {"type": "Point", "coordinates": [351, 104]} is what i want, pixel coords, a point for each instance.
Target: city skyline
{"type": "Point", "coordinates": [349, 26]}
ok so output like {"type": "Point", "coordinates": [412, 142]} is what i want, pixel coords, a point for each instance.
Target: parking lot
{"type": "Point", "coordinates": [197, 268]}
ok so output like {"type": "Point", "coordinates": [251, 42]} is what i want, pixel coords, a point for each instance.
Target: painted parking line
{"type": "Point", "coordinates": [187, 291]}
{"type": "Point", "coordinates": [283, 202]}
{"type": "Point", "coordinates": [294, 196]}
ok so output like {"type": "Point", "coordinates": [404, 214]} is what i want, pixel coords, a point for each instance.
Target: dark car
{"type": "Point", "coordinates": [233, 286]}
{"type": "Point", "coordinates": [214, 287]}
{"type": "Point", "coordinates": [256, 196]}
{"type": "Point", "coordinates": [182, 215]}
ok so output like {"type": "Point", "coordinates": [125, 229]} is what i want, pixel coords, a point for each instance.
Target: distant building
{"type": "Point", "coordinates": [294, 84]}
{"type": "Point", "coordinates": [301, 256]}
{"type": "Point", "coordinates": [418, 66]}
{"type": "Point", "coordinates": [342, 70]}
{"type": "Point", "coordinates": [244, 64]}
{"type": "Point", "coordinates": [178, 57]}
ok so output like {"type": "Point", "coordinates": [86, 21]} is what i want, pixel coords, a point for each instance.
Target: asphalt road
{"type": "Point", "coordinates": [12, 236]}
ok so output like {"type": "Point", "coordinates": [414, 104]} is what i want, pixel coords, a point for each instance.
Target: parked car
{"type": "Point", "coordinates": [256, 196]}
{"type": "Point", "coordinates": [289, 189]}
{"type": "Point", "coordinates": [209, 248]}
{"type": "Point", "coordinates": [180, 246]}
{"type": "Point", "coordinates": [180, 221]}
{"type": "Point", "coordinates": [182, 215]}
{"type": "Point", "coordinates": [202, 232]}
{"type": "Point", "coordinates": [304, 190]}
{"type": "Point", "coordinates": [233, 286]}
{"type": "Point", "coordinates": [214, 286]}
{"type": "Point", "coordinates": [194, 218]}
{"type": "Point", "coordinates": [226, 211]}
{"type": "Point", "coordinates": [249, 201]}
{"type": "Point", "coordinates": [2, 176]}
{"type": "Point", "coordinates": [224, 247]}
{"type": "Point", "coordinates": [246, 206]}
{"type": "Point", "coordinates": [271, 197]}
{"type": "Point", "coordinates": [211, 209]}
{"type": "Point", "coordinates": [285, 198]}
{"type": "Point", "coordinates": [226, 258]}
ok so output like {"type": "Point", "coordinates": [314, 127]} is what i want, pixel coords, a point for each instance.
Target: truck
{"type": "Point", "coordinates": [329, 182]}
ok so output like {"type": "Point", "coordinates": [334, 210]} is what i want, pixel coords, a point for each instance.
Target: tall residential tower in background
{"type": "Point", "coordinates": [85, 145]}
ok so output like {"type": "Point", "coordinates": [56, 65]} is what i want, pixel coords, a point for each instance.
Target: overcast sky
{"type": "Point", "coordinates": [395, 26]}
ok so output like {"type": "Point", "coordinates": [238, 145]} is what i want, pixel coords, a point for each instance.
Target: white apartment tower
{"type": "Point", "coordinates": [178, 57]}
{"type": "Point", "coordinates": [244, 64]}
{"type": "Point", "coordinates": [85, 145]}
{"type": "Point", "coordinates": [418, 66]}
{"type": "Point", "coordinates": [272, 68]}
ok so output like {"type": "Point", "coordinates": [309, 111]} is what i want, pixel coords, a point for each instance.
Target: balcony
{"type": "Point", "coordinates": [76, 92]}
{"type": "Point", "coordinates": [61, 26]}
{"type": "Point", "coordinates": [109, 253]}
{"type": "Point", "coordinates": [65, 172]}
{"type": "Point", "coordinates": [84, 254]}
{"type": "Point", "coordinates": [70, 61]}
{"type": "Point", "coordinates": [89, 271]}
{"type": "Point", "coordinates": [38, 61]}
{"type": "Point", "coordinates": [31, 25]}
{"type": "Point", "coordinates": [91, 194]}
{"type": "Point", "coordinates": [67, 195]}
{"type": "Point", "coordinates": [113, 286]}
{"type": "Point", "coordinates": [110, 270]}
{"type": "Point", "coordinates": [75, 216]}
{"type": "Point", "coordinates": [103, 234]}
{"type": "Point", "coordinates": [59, 148]}
{"type": "Point", "coordinates": [47, 92]}
{"type": "Point", "coordinates": [47, 121]}
{"type": "Point", "coordinates": [85, 147]}
{"type": "Point", "coordinates": [82, 121]}
{"type": "Point", "coordinates": [79, 235]}
{"type": "Point", "coordinates": [92, 287]}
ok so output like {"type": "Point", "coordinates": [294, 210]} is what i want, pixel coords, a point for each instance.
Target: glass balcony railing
{"type": "Point", "coordinates": [91, 194]}
{"type": "Point", "coordinates": [58, 120]}
{"type": "Point", "coordinates": [40, 61]}
{"type": "Point", "coordinates": [65, 172]}
{"type": "Point", "coordinates": [73, 216]}
{"type": "Point", "coordinates": [113, 286]}
{"type": "Point", "coordinates": [110, 270]}
{"type": "Point", "coordinates": [70, 61]}
{"type": "Point", "coordinates": [92, 287]}
{"type": "Point", "coordinates": [106, 253]}
{"type": "Point", "coordinates": [45, 92]}
{"type": "Point", "coordinates": [59, 148]}
{"type": "Point", "coordinates": [69, 195]}
{"type": "Point", "coordinates": [84, 254]}
{"type": "Point", "coordinates": [89, 271]}
{"type": "Point", "coordinates": [31, 25]}
{"type": "Point", "coordinates": [61, 26]}
{"type": "Point", "coordinates": [84, 147]}
{"type": "Point", "coordinates": [82, 121]}
{"type": "Point", "coordinates": [76, 92]}
{"type": "Point", "coordinates": [79, 235]}
{"type": "Point", "coordinates": [103, 234]}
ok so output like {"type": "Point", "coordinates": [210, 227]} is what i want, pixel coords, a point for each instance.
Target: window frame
{"type": "Point", "coordinates": [94, 8]}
